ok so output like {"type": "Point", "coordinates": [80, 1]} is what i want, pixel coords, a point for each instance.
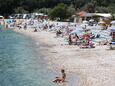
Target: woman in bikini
{"type": "Point", "coordinates": [62, 78]}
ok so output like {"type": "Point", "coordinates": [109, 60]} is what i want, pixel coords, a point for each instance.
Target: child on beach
{"type": "Point", "coordinates": [62, 78]}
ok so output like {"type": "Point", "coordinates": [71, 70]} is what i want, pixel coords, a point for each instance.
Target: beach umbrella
{"type": "Point", "coordinates": [85, 22]}
{"type": "Point", "coordinates": [76, 31]}
{"type": "Point", "coordinates": [91, 20]}
{"type": "Point", "coordinates": [99, 40]}
{"type": "Point", "coordinates": [113, 29]}
{"type": "Point", "coordinates": [112, 22]}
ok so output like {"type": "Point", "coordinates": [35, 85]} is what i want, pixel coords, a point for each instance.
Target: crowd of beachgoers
{"type": "Point", "coordinates": [86, 34]}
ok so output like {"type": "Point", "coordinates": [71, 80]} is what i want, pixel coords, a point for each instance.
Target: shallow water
{"type": "Point", "coordinates": [22, 65]}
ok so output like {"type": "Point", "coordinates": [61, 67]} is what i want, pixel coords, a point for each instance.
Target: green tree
{"type": "Point", "coordinates": [20, 10]}
{"type": "Point", "coordinates": [59, 11]}
{"type": "Point", "coordinates": [102, 9]}
{"type": "Point", "coordinates": [89, 7]}
{"type": "Point", "coordinates": [7, 6]}
{"type": "Point", "coordinates": [70, 11]}
{"type": "Point", "coordinates": [42, 10]}
{"type": "Point", "coordinates": [111, 8]}
{"type": "Point", "coordinates": [79, 3]}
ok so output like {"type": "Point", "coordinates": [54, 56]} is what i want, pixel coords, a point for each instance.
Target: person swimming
{"type": "Point", "coordinates": [62, 78]}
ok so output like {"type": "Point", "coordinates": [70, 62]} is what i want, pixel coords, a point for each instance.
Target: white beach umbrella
{"type": "Point", "coordinates": [77, 31]}
{"type": "Point", "coordinates": [113, 22]}
{"type": "Point", "coordinates": [85, 22]}
{"type": "Point", "coordinates": [113, 29]}
{"type": "Point", "coordinates": [91, 20]}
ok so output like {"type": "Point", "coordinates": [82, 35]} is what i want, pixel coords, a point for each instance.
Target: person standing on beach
{"type": "Point", "coordinates": [25, 26]}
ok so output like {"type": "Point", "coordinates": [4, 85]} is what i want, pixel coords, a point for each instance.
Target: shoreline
{"type": "Point", "coordinates": [92, 66]}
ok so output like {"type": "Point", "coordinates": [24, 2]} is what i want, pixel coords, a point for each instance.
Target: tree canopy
{"type": "Point", "coordinates": [24, 6]}
{"type": "Point", "coordinates": [95, 5]}
{"type": "Point", "coordinates": [10, 6]}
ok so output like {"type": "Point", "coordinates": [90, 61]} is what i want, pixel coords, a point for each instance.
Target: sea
{"type": "Point", "coordinates": [21, 63]}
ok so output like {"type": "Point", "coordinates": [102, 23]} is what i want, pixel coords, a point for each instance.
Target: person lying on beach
{"type": "Point", "coordinates": [35, 30]}
{"type": "Point", "coordinates": [62, 78]}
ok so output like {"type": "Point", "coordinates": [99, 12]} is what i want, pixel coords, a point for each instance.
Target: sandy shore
{"type": "Point", "coordinates": [94, 67]}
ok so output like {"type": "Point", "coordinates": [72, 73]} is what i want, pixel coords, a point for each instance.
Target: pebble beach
{"type": "Point", "coordinates": [93, 67]}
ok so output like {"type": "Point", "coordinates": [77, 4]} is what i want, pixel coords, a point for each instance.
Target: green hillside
{"type": "Point", "coordinates": [26, 6]}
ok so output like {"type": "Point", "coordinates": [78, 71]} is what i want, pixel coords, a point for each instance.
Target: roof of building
{"type": "Point", "coordinates": [85, 14]}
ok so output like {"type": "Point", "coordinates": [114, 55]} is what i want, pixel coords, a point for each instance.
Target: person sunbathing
{"type": "Point", "coordinates": [35, 30]}
{"type": "Point", "coordinates": [62, 78]}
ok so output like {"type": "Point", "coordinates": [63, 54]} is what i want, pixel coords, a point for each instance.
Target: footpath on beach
{"type": "Point", "coordinates": [94, 67]}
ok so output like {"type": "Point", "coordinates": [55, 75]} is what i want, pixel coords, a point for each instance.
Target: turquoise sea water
{"type": "Point", "coordinates": [20, 62]}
